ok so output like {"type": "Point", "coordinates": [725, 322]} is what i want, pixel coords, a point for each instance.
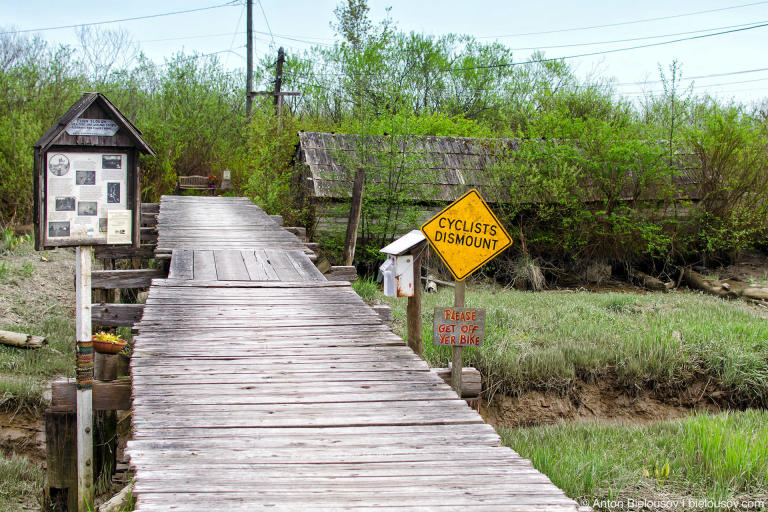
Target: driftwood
{"type": "Point", "coordinates": [649, 282]}
{"type": "Point", "coordinates": [119, 502]}
{"type": "Point", "coordinates": [18, 339]}
{"type": "Point", "coordinates": [722, 289]}
{"type": "Point", "coordinates": [437, 281]}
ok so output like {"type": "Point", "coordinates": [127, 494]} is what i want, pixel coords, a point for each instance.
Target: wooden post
{"type": "Point", "coordinates": [105, 422]}
{"type": "Point", "coordinates": [249, 59]}
{"type": "Point", "coordinates": [355, 209]}
{"type": "Point", "coordinates": [413, 311]}
{"type": "Point", "coordinates": [61, 464]}
{"type": "Point", "coordinates": [84, 372]}
{"type": "Point", "coordinates": [457, 362]}
{"type": "Point", "coordinates": [279, 80]}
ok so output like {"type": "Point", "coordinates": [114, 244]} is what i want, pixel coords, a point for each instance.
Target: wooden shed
{"type": "Point", "coordinates": [86, 169]}
{"type": "Point", "coordinates": [441, 169]}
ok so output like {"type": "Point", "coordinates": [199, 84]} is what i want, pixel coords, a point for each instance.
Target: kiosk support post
{"type": "Point", "coordinates": [457, 359]}
{"type": "Point", "coordinates": [84, 383]}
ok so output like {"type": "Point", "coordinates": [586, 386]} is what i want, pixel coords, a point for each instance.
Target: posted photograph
{"type": "Point", "coordinates": [58, 229]}
{"type": "Point", "coordinates": [102, 225]}
{"type": "Point", "coordinates": [113, 192]}
{"type": "Point", "coordinates": [111, 161]}
{"type": "Point", "coordinates": [58, 165]}
{"type": "Point", "coordinates": [85, 177]}
{"type": "Point", "coordinates": [87, 208]}
{"type": "Point", "coordinates": [65, 204]}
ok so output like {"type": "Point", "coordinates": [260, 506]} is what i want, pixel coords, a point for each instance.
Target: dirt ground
{"type": "Point", "coordinates": [603, 401]}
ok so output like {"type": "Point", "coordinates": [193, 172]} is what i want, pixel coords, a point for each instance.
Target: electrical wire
{"type": "Point", "coordinates": [135, 18]}
{"type": "Point", "coordinates": [602, 52]}
{"type": "Point", "coordinates": [644, 20]}
{"type": "Point", "coordinates": [266, 21]}
{"type": "Point", "coordinates": [573, 45]}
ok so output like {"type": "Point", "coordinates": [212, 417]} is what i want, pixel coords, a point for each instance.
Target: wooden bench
{"type": "Point", "coordinates": [194, 183]}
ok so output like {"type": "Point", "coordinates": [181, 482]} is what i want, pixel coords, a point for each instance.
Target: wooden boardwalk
{"type": "Point", "coordinates": [259, 390]}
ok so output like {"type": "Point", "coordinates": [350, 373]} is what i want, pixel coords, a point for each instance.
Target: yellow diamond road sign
{"type": "Point", "coordinates": [466, 234]}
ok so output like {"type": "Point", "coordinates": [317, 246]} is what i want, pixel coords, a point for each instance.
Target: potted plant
{"type": "Point", "coordinates": [106, 343]}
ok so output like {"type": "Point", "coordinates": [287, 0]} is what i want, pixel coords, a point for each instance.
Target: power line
{"type": "Point", "coordinates": [644, 20]}
{"type": "Point", "coordinates": [602, 52]}
{"type": "Point", "coordinates": [266, 21]}
{"type": "Point", "coordinates": [572, 45]}
{"type": "Point", "coordinates": [713, 75]}
{"type": "Point", "coordinates": [44, 29]}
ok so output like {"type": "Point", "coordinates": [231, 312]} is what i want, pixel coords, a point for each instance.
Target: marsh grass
{"type": "Point", "coordinates": [20, 482]}
{"type": "Point", "coordinates": [37, 304]}
{"type": "Point", "coordinates": [659, 341]}
{"type": "Point", "coordinates": [708, 456]}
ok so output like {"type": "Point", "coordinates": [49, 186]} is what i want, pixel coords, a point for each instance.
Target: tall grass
{"type": "Point", "coordinates": [20, 483]}
{"type": "Point", "coordinates": [666, 341]}
{"type": "Point", "coordinates": [714, 457]}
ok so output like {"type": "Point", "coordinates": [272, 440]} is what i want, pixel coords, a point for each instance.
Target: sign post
{"type": "Point", "coordinates": [87, 193]}
{"type": "Point", "coordinates": [466, 235]}
{"type": "Point", "coordinates": [84, 378]}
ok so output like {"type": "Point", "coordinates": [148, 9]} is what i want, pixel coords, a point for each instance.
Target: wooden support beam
{"type": "Point", "coordinates": [149, 235]}
{"type": "Point", "coordinates": [277, 218]}
{"type": "Point", "coordinates": [110, 279]}
{"type": "Point", "coordinates": [148, 220]}
{"type": "Point", "coordinates": [300, 232]}
{"type": "Point", "coordinates": [413, 310]}
{"type": "Point", "coordinates": [385, 313]}
{"type": "Point", "coordinates": [471, 380]}
{"type": "Point", "coordinates": [355, 209]}
{"type": "Point", "coordinates": [107, 395]}
{"type": "Point", "coordinates": [61, 460]}
{"type": "Point", "coordinates": [116, 315]}
{"type": "Point", "coordinates": [341, 273]}
{"type": "Point", "coordinates": [112, 252]}
{"type": "Point", "coordinates": [21, 340]}
{"type": "Point", "coordinates": [150, 207]}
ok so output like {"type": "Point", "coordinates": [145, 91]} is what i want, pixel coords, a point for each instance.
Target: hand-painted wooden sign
{"type": "Point", "coordinates": [459, 327]}
{"type": "Point", "coordinates": [466, 235]}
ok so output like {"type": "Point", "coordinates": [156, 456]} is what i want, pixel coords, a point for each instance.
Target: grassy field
{"type": "Point", "coordinates": [21, 481]}
{"type": "Point", "coordinates": [547, 341]}
{"type": "Point", "coordinates": [719, 458]}
{"type": "Point", "coordinates": [36, 297]}
{"type": "Point", "coordinates": [656, 341]}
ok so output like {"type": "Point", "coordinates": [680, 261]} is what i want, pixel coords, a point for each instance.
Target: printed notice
{"type": "Point", "coordinates": [119, 226]}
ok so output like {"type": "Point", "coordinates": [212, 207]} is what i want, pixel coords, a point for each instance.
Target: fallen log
{"type": "Point", "coordinates": [649, 282]}
{"type": "Point", "coordinates": [723, 289]}
{"type": "Point", "coordinates": [21, 340]}
{"type": "Point", "coordinates": [471, 380]}
{"type": "Point", "coordinates": [712, 287]}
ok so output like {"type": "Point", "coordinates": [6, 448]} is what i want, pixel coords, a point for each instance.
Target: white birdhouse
{"type": "Point", "coordinates": [399, 278]}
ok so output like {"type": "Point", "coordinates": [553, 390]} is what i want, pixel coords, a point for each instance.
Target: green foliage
{"type": "Point", "coordinates": [704, 456]}
{"type": "Point", "coordinates": [547, 341]}
{"type": "Point", "coordinates": [732, 151]}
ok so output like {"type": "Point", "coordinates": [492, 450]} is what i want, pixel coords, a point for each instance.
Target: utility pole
{"type": "Point", "coordinates": [279, 80]}
{"type": "Point", "coordinates": [278, 94]}
{"type": "Point", "coordinates": [249, 51]}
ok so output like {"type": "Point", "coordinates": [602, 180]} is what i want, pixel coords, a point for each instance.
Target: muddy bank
{"type": "Point", "coordinates": [22, 433]}
{"type": "Point", "coordinates": [603, 401]}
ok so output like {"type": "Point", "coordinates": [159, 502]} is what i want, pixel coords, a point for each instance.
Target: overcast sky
{"type": "Point", "coordinates": [520, 25]}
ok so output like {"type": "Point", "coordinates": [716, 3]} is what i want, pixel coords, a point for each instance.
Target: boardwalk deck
{"type": "Point", "coordinates": [277, 394]}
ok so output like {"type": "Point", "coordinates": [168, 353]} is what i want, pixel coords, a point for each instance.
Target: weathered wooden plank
{"type": "Point", "coordinates": [230, 266]}
{"type": "Point", "coordinates": [116, 315]}
{"type": "Point", "coordinates": [111, 279]}
{"type": "Point", "coordinates": [116, 252]}
{"type": "Point", "coordinates": [181, 265]}
{"type": "Point", "coordinates": [280, 261]}
{"type": "Point", "coordinates": [107, 396]}
{"type": "Point", "coordinates": [342, 273]}
{"type": "Point", "coordinates": [307, 270]}
{"type": "Point", "coordinates": [204, 266]}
